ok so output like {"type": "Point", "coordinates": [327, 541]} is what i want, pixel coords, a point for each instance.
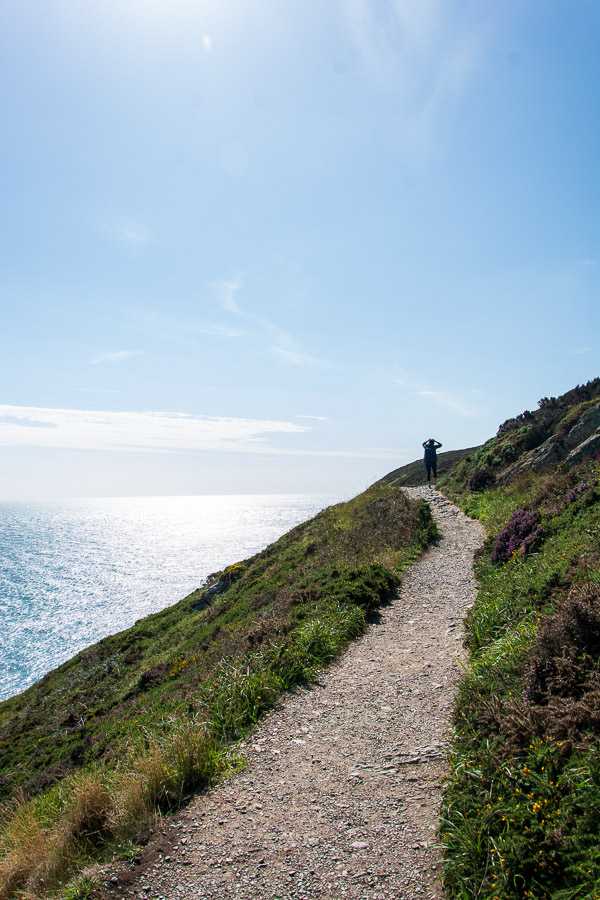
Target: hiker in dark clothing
{"type": "Point", "coordinates": [431, 446]}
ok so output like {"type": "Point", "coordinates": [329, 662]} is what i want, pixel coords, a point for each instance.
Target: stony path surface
{"type": "Point", "coordinates": [341, 790]}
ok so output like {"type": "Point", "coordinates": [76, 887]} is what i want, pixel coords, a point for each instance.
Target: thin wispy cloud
{"type": "Point", "coordinates": [297, 359]}
{"type": "Point", "coordinates": [136, 235]}
{"type": "Point", "coordinates": [227, 291]}
{"type": "Point", "coordinates": [452, 76]}
{"type": "Point", "coordinates": [135, 431]}
{"type": "Point", "coordinates": [160, 432]}
{"type": "Point", "coordinates": [424, 51]}
{"type": "Point", "coordinates": [219, 331]}
{"type": "Point", "coordinates": [378, 37]}
{"type": "Point", "coordinates": [316, 418]}
{"type": "Point", "coordinates": [154, 324]}
{"type": "Point", "coordinates": [282, 345]}
{"type": "Point", "coordinates": [443, 398]}
{"type": "Point", "coordinates": [115, 356]}
{"type": "Point", "coordinates": [458, 402]}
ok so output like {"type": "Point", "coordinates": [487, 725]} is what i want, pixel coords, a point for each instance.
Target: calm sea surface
{"type": "Point", "coordinates": [74, 571]}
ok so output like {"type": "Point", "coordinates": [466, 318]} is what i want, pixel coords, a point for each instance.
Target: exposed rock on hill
{"type": "Point", "coordinates": [581, 440]}
{"type": "Point", "coordinates": [563, 430]}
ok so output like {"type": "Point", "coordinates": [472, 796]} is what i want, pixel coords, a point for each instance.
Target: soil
{"type": "Point", "coordinates": [341, 789]}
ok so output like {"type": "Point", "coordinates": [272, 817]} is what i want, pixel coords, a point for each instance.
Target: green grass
{"type": "Point", "coordinates": [521, 809]}
{"type": "Point", "coordinates": [413, 474]}
{"type": "Point", "coordinates": [133, 724]}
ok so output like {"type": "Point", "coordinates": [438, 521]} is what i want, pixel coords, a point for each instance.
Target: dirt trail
{"type": "Point", "coordinates": [340, 794]}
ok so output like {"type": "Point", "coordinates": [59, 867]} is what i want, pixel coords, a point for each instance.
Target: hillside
{"type": "Point", "coordinates": [563, 432]}
{"type": "Point", "coordinates": [521, 812]}
{"type": "Point", "coordinates": [135, 723]}
{"type": "Point", "coordinates": [413, 474]}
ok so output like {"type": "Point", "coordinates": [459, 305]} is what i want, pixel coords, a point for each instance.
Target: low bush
{"type": "Point", "coordinates": [153, 676]}
{"type": "Point", "coordinates": [365, 586]}
{"type": "Point", "coordinates": [564, 658]}
{"type": "Point", "coordinates": [522, 534]}
{"type": "Point", "coordinates": [482, 479]}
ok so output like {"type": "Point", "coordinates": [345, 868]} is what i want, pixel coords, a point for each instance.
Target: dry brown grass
{"type": "Point", "coordinates": [168, 770]}
{"type": "Point", "coordinates": [132, 811]}
{"type": "Point", "coordinates": [24, 848]}
{"type": "Point", "coordinates": [88, 814]}
{"type": "Point", "coordinates": [37, 859]}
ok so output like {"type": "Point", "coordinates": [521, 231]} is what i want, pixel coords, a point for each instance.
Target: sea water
{"type": "Point", "coordinates": [74, 571]}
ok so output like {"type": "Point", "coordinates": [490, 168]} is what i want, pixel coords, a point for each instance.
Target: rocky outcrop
{"type": "Point", "coordinates": [225, 580]}
{"type": "Point", "coordinates": [581, 440]}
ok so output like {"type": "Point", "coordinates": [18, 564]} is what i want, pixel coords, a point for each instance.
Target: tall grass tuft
{"type": "Point", "coordinates": [188, 759]}
{"type": "Point", "coordinates": [24, 847]}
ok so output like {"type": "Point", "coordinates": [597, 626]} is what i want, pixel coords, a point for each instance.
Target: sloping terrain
{"type": "Point", "coordinates": [341, 788]}
{"type": "Point", "coordinates": [521, 812]}
{"type": "Point", "coordinates": [413, 474]}
{"type": "Point", "coordinates": [136, 722]}
{"type": "Point", "coordinates": [563, 431]}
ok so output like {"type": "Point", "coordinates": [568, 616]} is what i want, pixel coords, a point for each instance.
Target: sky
{"type": "Point", "coordinates": [273, 246]}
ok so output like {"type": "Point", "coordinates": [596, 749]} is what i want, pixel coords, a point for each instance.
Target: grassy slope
{"type": "Point", "coordinates": [413, 474]}
{"type": "Point", "coordinates": [521, 812]}
{"type": "Point", "coordinates": [138, 720]}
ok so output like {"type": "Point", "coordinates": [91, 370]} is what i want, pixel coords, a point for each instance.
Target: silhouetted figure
{"type": "Point", "coordinates": [431, 446]}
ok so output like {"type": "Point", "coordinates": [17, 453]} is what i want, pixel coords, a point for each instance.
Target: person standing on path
{"type": "Point", "coordinates": [431, 447]}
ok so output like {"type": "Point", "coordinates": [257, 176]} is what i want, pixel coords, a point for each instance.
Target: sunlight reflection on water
{"type": "Point", "coordinates": [74, 571]}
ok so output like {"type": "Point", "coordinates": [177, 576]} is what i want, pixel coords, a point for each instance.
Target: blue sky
{"type": "Point", "coordinates": [273, 246]}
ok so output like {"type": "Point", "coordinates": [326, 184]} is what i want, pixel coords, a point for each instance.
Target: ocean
{"type": "Point", "coordinates": [74, 571]}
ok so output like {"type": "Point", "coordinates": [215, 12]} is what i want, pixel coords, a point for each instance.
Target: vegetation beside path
{"type": "Point", "coordinates": [132, 725]}
{"type": "Point", "coordinates": [521, 809]}
{"type": "Point", "coordinates": [413, 474]}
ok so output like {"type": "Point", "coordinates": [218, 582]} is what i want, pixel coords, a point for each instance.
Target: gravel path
{"type": "Point", "coordinates": [342, 785]}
